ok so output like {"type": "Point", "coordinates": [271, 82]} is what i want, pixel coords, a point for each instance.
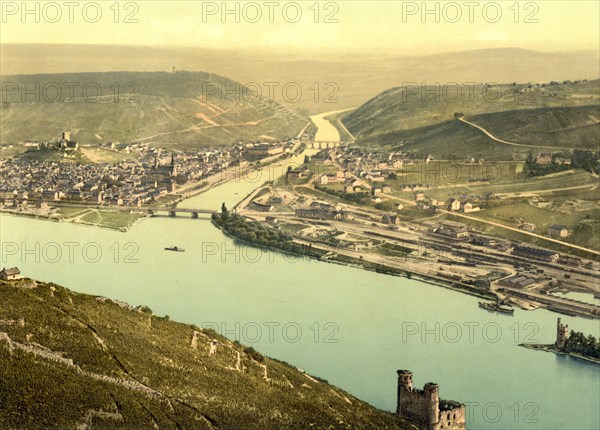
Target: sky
{"type": "Point", "coordinates": [414, 27]}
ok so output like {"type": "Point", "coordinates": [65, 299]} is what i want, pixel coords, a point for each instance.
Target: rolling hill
{"type": "Point", "coordinates": [423, 120]}
{"type": "Point", "coordinates": [187, 109]}
{"type": "Point", "coordinates": [71, 360]}
{"type": "Point", "coordinates": [530, 131]}
{"type": "Point", "coordinates": [571, 127]}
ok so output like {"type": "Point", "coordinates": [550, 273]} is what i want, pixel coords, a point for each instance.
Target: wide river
{"type": "Point", "coordinates": [352, 327]}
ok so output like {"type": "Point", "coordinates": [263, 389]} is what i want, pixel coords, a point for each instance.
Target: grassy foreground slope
{"type": "Point", "coordinates": [71, 360]}
{"type": "Point", "coordinates": [185, 108]}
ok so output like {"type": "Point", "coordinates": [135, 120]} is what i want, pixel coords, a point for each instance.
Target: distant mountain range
{"type": "Point", "coordinates": [353, 79]}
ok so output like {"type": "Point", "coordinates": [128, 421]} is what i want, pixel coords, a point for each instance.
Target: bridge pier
{"type": "Point", "coordinates": [195, 215]}
{"type": "Point", "coordinates": [172, 213]}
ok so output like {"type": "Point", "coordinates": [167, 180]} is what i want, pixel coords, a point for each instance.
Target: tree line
{"type": "Point", "coordinates": [580, 159]}
{"type": "Point", "coordinates": [257, 233]}
{"type": "Point", "coordinates": [578, 343]}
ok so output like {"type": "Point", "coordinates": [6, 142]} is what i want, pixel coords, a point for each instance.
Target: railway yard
{"type": "Point", "coordinates": [444, 252]}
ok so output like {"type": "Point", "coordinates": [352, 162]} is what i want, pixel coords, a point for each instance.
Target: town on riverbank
{"type": "Point", "coordinates": [116, 195]}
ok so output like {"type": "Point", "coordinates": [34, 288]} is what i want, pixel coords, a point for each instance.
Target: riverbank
{"type": "Point", "coordinates": [124, 218]}
{"type": "Point", "coordinates": [387, 270]}
{"type": "Point", "coordinates": [286, 244]}
{"type": "Point", "coordinates": [326, 130]}
{"type": "Point", "coordinates": [336, 120]}
{"type": "Point", "coordinates": [552, 348]}
{"type": "Point", "coordinates": [116, 220]}
{"type": "Point", "coordinates": [249, 232]}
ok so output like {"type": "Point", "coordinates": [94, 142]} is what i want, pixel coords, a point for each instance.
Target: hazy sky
{"type": "Point", "coordinates": [371, 26]}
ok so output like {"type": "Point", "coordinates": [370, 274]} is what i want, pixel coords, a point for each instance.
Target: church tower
{"type": "Point", "coordinates": [173, 166]}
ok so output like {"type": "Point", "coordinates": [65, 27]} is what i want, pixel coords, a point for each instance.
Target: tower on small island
{"type": "Point", "coordinates": [562, 333]}
{"type": "Point", "coordinates": [424, 407]}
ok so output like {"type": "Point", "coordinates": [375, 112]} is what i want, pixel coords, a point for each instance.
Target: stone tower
{"type": "Point", "coordinates": [422, 408]}
{"type": "Point", "coordinates": [404, 385]}
{"type": "Point", "coordinates": [405, 379]}
{"type": "Point", "coordinates": [562, 334]}
{"type": "Point", "coordinates": [432, 401]}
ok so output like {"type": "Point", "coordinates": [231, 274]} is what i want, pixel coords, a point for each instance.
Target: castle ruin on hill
{"type": "Point", "coordinates": [424, 407]}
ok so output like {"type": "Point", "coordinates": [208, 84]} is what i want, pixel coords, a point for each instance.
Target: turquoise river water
{"type": "Point", "coordinates": [352, 327]}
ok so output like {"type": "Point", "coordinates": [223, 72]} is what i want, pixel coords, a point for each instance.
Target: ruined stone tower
{"type": "Point", "coordinates": [562, 333]}
{"type": "Point", "coordinates": [424, 407]}
{"type": "Point", "coordinates": [432, 402]}
{"type": "Point", "coordinates": [405, 379]}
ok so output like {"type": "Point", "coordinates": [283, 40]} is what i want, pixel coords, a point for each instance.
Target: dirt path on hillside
{"type": "Point", "coordinates": [506, 142]}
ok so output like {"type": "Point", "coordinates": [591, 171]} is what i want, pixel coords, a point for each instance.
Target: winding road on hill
{"type": "Point", "coordinates": [491, 136]}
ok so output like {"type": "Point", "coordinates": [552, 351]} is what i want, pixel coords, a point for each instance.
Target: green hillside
{"type": "Point", "coordinates": [70, 360]}
{"type": "Point", "coordinates": [188, 109]}
{"type": "Point", "coordinates": [411, 106]}
{"type": "Point", "coordinates": [449, 140]}
{"type": "Point", "coordinates": [554, 116]}
{"type": "Point", "coordinates": [533, 130]}
{"type": "Point", "coordinates": [571, 127]}
{"type": "Point", "coordinates": [422, 119]}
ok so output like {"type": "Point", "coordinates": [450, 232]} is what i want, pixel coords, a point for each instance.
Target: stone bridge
{"type": "Point", "coordinates": [173, 211]}
{"type": "Point", "coordinates": [324, 144]}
